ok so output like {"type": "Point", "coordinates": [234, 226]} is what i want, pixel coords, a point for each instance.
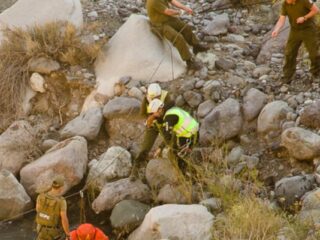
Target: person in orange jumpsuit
{"type": "Point", "coordinates": [87, 231]}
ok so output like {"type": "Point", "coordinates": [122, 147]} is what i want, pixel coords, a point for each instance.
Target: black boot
{"type": "Point", "coordinates": [193, 65]}
{"type": "Point", "coordinates": [200, 48]}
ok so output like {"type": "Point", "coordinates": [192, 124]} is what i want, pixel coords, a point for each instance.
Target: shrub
{"type": "Point", "coordinates": [249, 219]}
{"type": "Point", "coordinates": [60, 41]}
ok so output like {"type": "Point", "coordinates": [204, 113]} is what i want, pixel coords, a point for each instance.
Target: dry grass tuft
{"type": "Point", "coordinates": [60, 41]}
{"type": "Point", "coordinates": [249, 219]}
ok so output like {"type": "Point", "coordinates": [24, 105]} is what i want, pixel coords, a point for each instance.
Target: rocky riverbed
{"type": "Point", "coordinates": [266, 131]}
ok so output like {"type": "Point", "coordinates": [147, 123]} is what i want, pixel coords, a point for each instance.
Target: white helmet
{"type": "Point", "coordinates": [154, 90]}
{"type": "Point", "coordinates": [155, 104]}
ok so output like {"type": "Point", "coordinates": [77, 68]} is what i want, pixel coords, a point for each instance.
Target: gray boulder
{"type": "Point", "coordinates": [253, 102]}
{"type": "Point", "coordinates": [310, 210]}
{"type": "Point", "coordinates": [179, 194]}
{"type": "Point", "coordinates": [291, 189]}
{"type": "Point", "coordinates": [114, 163]}
{"type": "Point", "coordinates": [225, 64]}
{"type": "Point", "coordinates": [219, 25]}
{"type": "Point", "coordinates": [167, 175]}
{"type": "Point", "coordinates": [68, 158]}
{"type": "Point", "coordinates": [273, 45]}
{"type": "Point", "coordinates": [301, 144]}
{"type": "Point", "coordinates": [122, 107]}
{"type": "Point", "coordinates": [135, 37]}
{"type": "Point", "coordinates": [310, 116]}
{"type": "Point", "coordinates": [179, 222]}
{"type": "Point", "coordinates": [192, 98]}
{"type": "Point", "coordinates": [222, 123]}
{"type": "Point", "coordinates": [271, 118]}
{"type": "Point", "coordinates": [22, 13]}
{"type": "Point", "coordinates": [6, 4]}
{"type": "Point", "coordinates": [13, 198]}
{"type": "Point", "coordinates": [114, 192]}
{"type": "Point", "coordinates": [128, 214]}
{"type": "Point", "coordinates": [204, 108]}
{"type": "Point", "coordinates": [87, 125]}
{"type": "Point", "coordinates": [17, 144]}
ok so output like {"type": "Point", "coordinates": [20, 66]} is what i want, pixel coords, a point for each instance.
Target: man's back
{"type": "Point", "coordinates": [155, 9]}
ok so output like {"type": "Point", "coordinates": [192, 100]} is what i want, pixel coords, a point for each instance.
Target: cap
{"type": "Point", "coordinates": [154, 90]}
{"type": "Point", "coordinates": [58, 182]}
{"type": "Point", "coordinates": [155, 104]}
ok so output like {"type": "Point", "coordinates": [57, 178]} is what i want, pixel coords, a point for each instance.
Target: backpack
{"type": "Point", "coordinates": [48, 213]}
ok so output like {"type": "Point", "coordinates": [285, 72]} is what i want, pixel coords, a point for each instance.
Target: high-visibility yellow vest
{"type": "Point", "coordinates": [186, 126]}
{"type": "Point", "coordinates": [162, 98]}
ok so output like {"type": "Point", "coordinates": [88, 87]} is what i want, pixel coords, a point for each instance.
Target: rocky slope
{"type": "Point", "coordinates": [265, 127]}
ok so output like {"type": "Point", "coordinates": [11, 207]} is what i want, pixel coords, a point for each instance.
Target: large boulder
{"type": "Point", "coordinates": [114, 192]}
{"type": "Point", "coordinates": [271, 118]}
{"type": "Point", "coordinates": [179, 222]}
{"type": "Point", "coordinates": [87, 125]}
{"type": "Point", "coordinates": [114, 163]}
{"type": "Point", "coordinates": [291, 189]}
{"type": "Point", "coordinates": [13, 198]}
{"type": "Point", "coordinates": [128, 214]}
{"type": "Point", "coordinates": [222, 123]}
{"type": "Point", "coordinates": [26, 13]}
{"type": "Point", "coordinates": [17, 144]}
{"type": "Point", "coordinates": [135, 51]}
{"type": "Point", "coordinates": [123, 122]}
{"type": "Point", "coordinates": [122, 107]}
{"type": "Point", "coordinates": [6, 4]}
{"type": "Point", "coordinates": [310, 210]}
{"type": "Point", "coordinates": [302, 144]}
{"type": "Point", "coordinates": [273, 45]}
{"type": "Point", "coordinates": [253, 102]}
{"type": "Point", "coordinates": [68, 158]}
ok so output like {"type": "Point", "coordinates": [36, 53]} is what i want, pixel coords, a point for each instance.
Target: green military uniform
{"type": "Point", "coordinates": [48, 216]}
{"type": "Point", "coordinates": [172, 28]}
{"type": "Point", "coordinates": [151, 133]}
{"type": "Point", "coordinates": [300, 33]}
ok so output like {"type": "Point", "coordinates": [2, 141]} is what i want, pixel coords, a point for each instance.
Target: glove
{"type": "Point", "coordinates": [150, 121]}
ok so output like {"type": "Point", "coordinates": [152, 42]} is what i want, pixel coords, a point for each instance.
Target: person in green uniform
{"type": "Point", "coordinates": [154, 91]}
{"type": "Point", "coordinates": [51, 218]}
{"type": "Point", "coordinates": [178, 129]}
{"type": "Point", "coordinates": [164, 20]}
{"type": "Point", "coordinates": [303, 30]}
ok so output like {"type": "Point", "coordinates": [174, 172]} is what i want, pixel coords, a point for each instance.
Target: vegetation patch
{"type": "Point", "coordinates": [59, 41]}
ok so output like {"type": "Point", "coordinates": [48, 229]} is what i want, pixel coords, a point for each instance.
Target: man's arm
{"type": "Point", "coordinates": [171, 12]}
{"type": "Point", "coordinates": [181, 6]}
{"type": "Point", "coordinates": [313, 11]}
{"type": "Point", "coordinates": [279, 25]}
{"type": "Point", "coordinates": [65, 222]}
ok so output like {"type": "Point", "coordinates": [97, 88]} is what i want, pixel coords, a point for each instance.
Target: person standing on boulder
{"type": "Point", "coordinates": [303, 30]}
{"type": "Point", "coordinates": [154, 91]}
{"type": "Point", "coordinates": [51, 208]}
{"type": "Point", "coordinates": [165, 22]}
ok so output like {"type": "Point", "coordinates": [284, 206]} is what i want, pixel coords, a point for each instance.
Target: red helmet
{"type": "Point", "coordinates": [86, 231]}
